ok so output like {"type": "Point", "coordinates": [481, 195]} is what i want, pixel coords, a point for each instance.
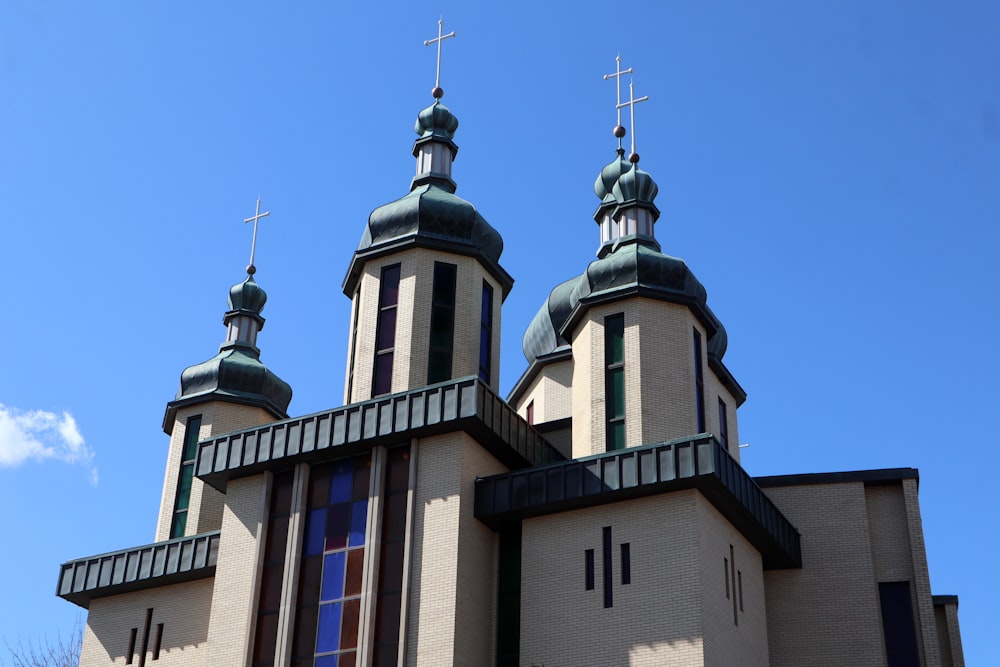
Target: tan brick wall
{"type": "Point", "coordinates": [949, 636]}
{"type": "Point", "coordinates": [414, 320]}
{"type": "Point", "coordinates": [183, 609]}
{"type": "Point", "coordinates": [551, 391]}
{"type": "Point", "coordinates": [588, 390]}
{"type": "Point", "coordinates": [888, 533]}
{"type": "Point", "coordinates": [727, 642]}
{"type": "Point", "coordinates": [237, 576]}
{"type": "Point", "coordinates": [714, 390]}
{"type": "Point", "coordinates": [205, 504]}
{"type": "Point", "coordinates": [453, 557]}
{"type": "Point", "coordinates": [655, 620]}
{"type": "Point", "coordinates": [828, 612]}
{"type": "Point", "coordinates": [659, 377]}
{"type": "Point", "coordinates": [921, 583]}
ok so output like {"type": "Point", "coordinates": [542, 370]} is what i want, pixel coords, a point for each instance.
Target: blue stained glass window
{"type": "Point", "coordinates": [315, 524]}
{"type": "Point", "coordinates": [340, 486]}
{"type": "Point", "coordinates": [328, 634]}
{"type": "Point", "coordinates": [330, 588]}
{"type": "Point", "coordinates": [359, 518]}
{"type": "Point", "coordinates": [333, 576]}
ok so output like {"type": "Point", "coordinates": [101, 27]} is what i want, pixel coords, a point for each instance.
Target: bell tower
{"type": "Point", "coordinates": [628, 353]}
{"type": "Point", "coordinates": [231, 391]}
{"type": "Point", "coordinates": [425, 281]}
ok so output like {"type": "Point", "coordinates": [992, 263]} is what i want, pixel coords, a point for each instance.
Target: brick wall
{"type": "Point", "coordinates": [183, 609]}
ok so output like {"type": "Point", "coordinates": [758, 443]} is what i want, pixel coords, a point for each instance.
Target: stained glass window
{"type": "Point", "coordinates": [333, 554]}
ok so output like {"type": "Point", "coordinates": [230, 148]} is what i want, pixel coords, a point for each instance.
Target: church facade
{"type": "Point", "coordinates": [598, 515]}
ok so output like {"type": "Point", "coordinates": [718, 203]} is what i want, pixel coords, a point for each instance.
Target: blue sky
{"type": "Point", "coordinates": [830, 172]}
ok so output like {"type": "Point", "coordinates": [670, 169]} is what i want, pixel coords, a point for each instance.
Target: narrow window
{"type": "Point", "coordinates": [739, 586]}
{"type": "Point", "coordinates": [508, 598]}
{"type": "Point", "coordinates": [897, 624]}
{"type": "Point", "coordinates": [275, 543]}
{"type": "Point", "coordinates": [614, 381]}
{"type": "Point", "coordinates": [185, 477]}
{"type": "Point", "coordinates": [588, 569]}
{"type": "Point", "coordinates": [723, 425]}
{"type": "Point", "coordinates": [385, 330]}
{"type": "Point", "coordinates": [486, 334]}
{"type": "Point", "coordinates": [607, 567]}
{"type": "Point", "coordinates": [391, 554]}
{"type": "Point", "coordinates": [157, 641]}
{"type": "Point", "coordinates": [131, 645]}
{"type": "Point", "coordinates": [725, 562]}
{"type": "Point", "coordinates": [354, 344]}
{"type": "Point", "coordinates": [626, 563]}
{"type": "Point", "coordinates": [331, 576]}
{"type": "Point", "coordinates": [732, 574]}
{"type": "Point", "coordinates": [531, 412]}
{"type": "Point", "coordinates": [699, 383]}
{"type": "Point", "coordinates": [442, 323]}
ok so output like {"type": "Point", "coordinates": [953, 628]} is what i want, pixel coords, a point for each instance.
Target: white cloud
{"type": "Point", "coordinates": [38, 435]}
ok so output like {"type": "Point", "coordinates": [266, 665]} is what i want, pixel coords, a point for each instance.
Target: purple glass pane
{"type": "Point", "coordinates": [328, 634]}
{"type": "Point", "coordinates": [352, 614]}
{"type": "Point", "coordinates": [340, 487]}
{"type": "Point", "coordinates": [337, 521]}
{"type": "Point", "coordinates": [315, 523]}
{"type": "Point", "coordinates": [349, 659]}
{"type": "Point", "coordinates": [359, 518]}
{"type": "Point", "coordinates": [383, 374]}
{"type": "Point", "coordinates": [386, 337]}
{"type": "Point", "coordinates": [333, 576]}
{"type": "Point", "coordinates": [389, 289]}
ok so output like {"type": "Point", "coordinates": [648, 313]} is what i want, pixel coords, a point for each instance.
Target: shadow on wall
{"type": "Point", "coordinates": [170, 623]}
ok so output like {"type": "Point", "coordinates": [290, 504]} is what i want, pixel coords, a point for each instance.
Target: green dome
{"type": "Point", "coordinates": [247, 296]}
{"type": "Point", "coordinates": [635, 187]}
{"type": "Point", "coordinates": [438, 121]}
{"type": "Point", "coordinates": [435, 216]}
{"type": "Point", "coordinates": [635, 267]}
{"type": "Point", "coordinates": [609, 177]}
{"type": "Point", "coordinates": [236, 373]}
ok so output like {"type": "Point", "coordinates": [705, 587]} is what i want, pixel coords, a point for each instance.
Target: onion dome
{"type": "Point", "coordinates": [609, 176]}
{"type": "Point", "coordinates": [247, 297]}
{"type": "Point", "coordinates": [634, 268]}
{"type": "Point", "coordinates": [431, 215]}
{"type": "Point", "coordinates": [235, 374]}
{"type": "Point", "coordinates": [636, 188]}
{"type": "Point", "coordinates": [437, 121]}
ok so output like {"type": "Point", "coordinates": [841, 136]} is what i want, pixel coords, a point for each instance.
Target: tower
{"type": "Point", "coordinates": [231, 391]}
{"type": "Point", "coordinates": [629, 350]}
{"type": "Point", "coordinates": [425, 282]}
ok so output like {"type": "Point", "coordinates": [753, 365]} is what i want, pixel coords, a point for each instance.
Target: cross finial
{"type": "Point", "coordinates": [617, 76]}
{"type": "Point", "coordinates": [438, 93]}
{"type": "Point", "coordinates": [251, 269]}
{"type": "Point", "coordinates": [632, 101]}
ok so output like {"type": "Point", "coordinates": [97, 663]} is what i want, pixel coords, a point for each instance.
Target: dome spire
{"type": "Point", "coordinates": [436, 125]}
{"type": "Point", "coordinates": [619, 130]}
{"type": "Point", "coordinates": [438, 92]}
{"type": "Point", "coordinates": [632, 101]}
{"type": "Point", "coordinates": [251, 269]}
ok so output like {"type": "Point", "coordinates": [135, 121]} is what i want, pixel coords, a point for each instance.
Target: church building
{"type": "Point", "coordinates": [598, 515]}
